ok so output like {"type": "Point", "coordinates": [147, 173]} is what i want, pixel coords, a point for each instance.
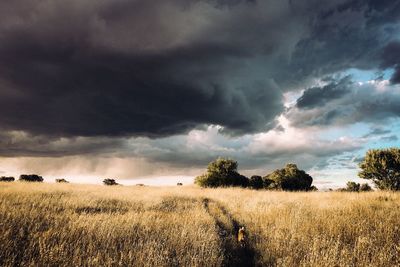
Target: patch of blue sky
{"type": "Point", "coordinates": [368, 75]}
{"type": "Point", "coordinates": [356, 130]}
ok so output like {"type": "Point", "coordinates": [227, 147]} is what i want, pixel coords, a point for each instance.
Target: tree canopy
{"type": "Point", "coordinates": [289, 178]}
{"type": "Point", "coordinates": [382, 166]}
{"type": "Point", "coordinates": [256, 182]}
{"type": "Point", "coordinates": [222, 172]}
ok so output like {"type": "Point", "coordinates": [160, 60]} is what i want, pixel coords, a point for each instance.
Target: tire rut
{"type": "Point", "coordinates": [227, 227]}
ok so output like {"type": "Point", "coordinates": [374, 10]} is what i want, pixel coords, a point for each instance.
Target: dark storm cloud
{"type": "Point", "coordinates": [391, 58]}
{"type": "Point", "coordinates": [318, 96]}
{"type": "Point", "coordinates": [17, 144]}
{"type": "Point", "coordinates": [160, 68]}
{"type": "Point", "coordinates": [373, 102]}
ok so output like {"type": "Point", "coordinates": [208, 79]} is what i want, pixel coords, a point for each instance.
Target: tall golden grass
{"type": "Point", "coordinates": [88, 225]}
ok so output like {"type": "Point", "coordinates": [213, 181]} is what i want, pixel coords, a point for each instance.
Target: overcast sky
{"type": "Point", "coordinates": [132, 89]}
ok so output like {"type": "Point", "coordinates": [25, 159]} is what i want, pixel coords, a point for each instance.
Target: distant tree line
{"type": "Point", "coordinates": [30, 178]}
{"type": "Point", "coordinates": [356, 187]}
{"type": "Point", "coordinates": [6, 179]}
{"type": "Point", "coordinates": [223, 172]}
{"type": "Point", "coordinates": [381, 166]}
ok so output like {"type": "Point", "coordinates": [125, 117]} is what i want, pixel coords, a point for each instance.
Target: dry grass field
{"type": "Point", "coordinates": [88, 225]}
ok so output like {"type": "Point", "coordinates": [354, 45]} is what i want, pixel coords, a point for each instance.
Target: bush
{"type": "Point", "coordinates": [268, 183]}
{"type": "Point", "coordinates": [179, 184]}
{"type": "Point", "coordinates": [289, 178]}
{"type": "Point", "coordinates": [352, 187]}
{"type": "Point", "coordinates": [62, 180]}
{"type": "Point", "coordinates": [30, 178]}
{"type": "Point", "coordinates": [222, 172]}
{"type": "Point", "coordinates": [365, 187]}
{"type": "Point", "coordinates": [109, 182]}
{"type": "Point", "coordinates": [355, 187]}
{"type": "Point", "coordinates": [313, 188]}
{"type": "Point", "coordinates": [382, 166]}
{"type": "Point", "coordinates": [7, 179]}
{"type": "Point", "coordinates": [256, 182]}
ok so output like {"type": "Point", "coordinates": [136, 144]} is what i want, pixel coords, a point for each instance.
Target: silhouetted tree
{"type": "Point", "coordinates": [109, 182]}
{"type": "Point", "coordinates": [7, 179]}
{"type": "Point", "coordinates": [30, 178]}
{"type": "Point", "coordinates": [179, 184]}
{"type": "Point", "coordinates": [289, 178]}
{"type": "Point", "coordinates": [382, 166]}
{"type": "Point", "coordinates": [256, 182]}
{"type": "Point", "coordinates": [61, 180]}
{"type": "Point", "coordinates": [222, 172]}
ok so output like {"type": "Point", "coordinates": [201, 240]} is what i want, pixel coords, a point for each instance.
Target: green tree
{"type": "Point", "coordinates": [382, 166]}
{"type": "Point", "coordinates": [256, 182]}
{"type": "Point", "coordinates": [352, 187]}
{"type": "Point", "coordinates": [222, 172]}
{"type": "Point", "coordinates": [289, 178]}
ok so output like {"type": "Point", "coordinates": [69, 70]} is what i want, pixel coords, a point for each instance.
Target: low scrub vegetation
{"type": "Point", "coordinates": [61, 180]}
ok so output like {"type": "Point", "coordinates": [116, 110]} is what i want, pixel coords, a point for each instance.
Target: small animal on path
{"type": "Point", "coordinates": [242, 236]}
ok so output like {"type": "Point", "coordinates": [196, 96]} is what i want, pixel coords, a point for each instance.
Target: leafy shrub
{"type": "Point", "coordinates": [61, 180]}
{"type": "Point", "coordinates": [352, 187]}
{"type": "Point", "coordinates": [365, 187]}
{"type": "Point", "coordinates": [222, 172]}
{"type": "Point", "coordinates": [313, 188]}
{"type": "Point", "coordinates": [30, 178]}
{"type": "Point", "coordinates": [256, 182]}
{"type": "Point", "coordinates": [109, 182]}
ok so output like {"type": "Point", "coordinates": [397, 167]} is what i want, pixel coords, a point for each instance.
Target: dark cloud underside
{"type": "Point", "coordinates": [160, 68]}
